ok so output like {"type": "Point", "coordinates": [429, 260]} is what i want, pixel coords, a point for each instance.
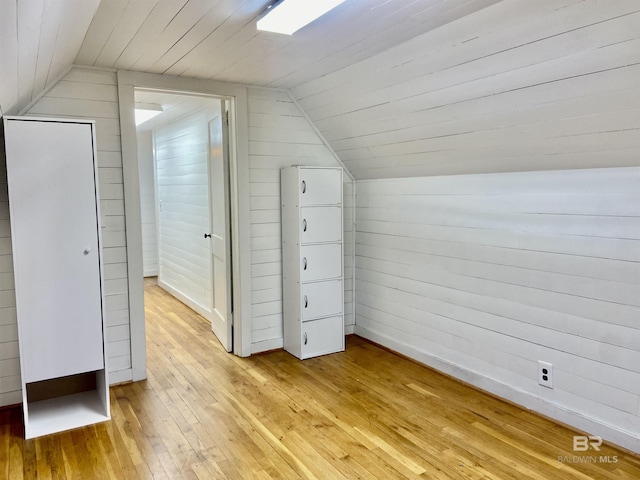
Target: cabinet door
{"type": "Point", "coordinates": [320, 186]}
{"type": "Point", "coordinates": [52, 195]}
{"type": "Point", "coordinates": [320, 224]}
{"type": "Point", "coordinates": [321, 299]}
{"type": "Point", "coordinates": [323, 336]}
{"type": "Point", "coordinates": [319, 262]}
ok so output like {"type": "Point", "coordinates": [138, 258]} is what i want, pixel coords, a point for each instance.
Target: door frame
{"type": "Point", "coordinates": [240, 203]}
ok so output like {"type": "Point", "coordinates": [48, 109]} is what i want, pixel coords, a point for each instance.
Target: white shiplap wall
{"type": "Point", "coordinates": [517, 86]}
{"type": "Point", "coordinates": [280, 135]}
{"type": "Point", "coordinates": [92, 95]}
{"type": "Point", "coordinates": [148, 204]}
{"type": "Point", "coordinates": [10, 385]}
{"type": "Point", "coordinates": [181, 150]}
{"type": "Point", "coordinates": [483, 275]}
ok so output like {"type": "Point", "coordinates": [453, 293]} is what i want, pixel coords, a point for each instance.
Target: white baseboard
{"type": "Point", "coordinates": [120, 376]}
{"type": "Point", "coordinates": [11, 398]}
{"type": "Point", "coordinates": [266, 345]}
{"type": "Point", "coordinates": [561, 414]}
{"type": "Point", "coordinates": [193, 305]}
{"type": "Point", "coordinates": [349, 329]}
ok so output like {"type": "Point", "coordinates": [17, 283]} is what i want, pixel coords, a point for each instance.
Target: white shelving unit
{"type": "Point", "coordinates": [312, 235]}
{"type": "Point", "coordinates": [55, 233]}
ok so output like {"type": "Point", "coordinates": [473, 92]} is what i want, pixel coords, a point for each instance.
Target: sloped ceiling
{"type": "Point", "coordinates": [397, 87]}
{"type": "Point", "coordinates": [518, 86]}
{"type": "Point", "coordinates": [39, 41]}
{"type": "Point", "coordinates": [214, 39]}
{"type": "Point", "coordinates": [217, 39]}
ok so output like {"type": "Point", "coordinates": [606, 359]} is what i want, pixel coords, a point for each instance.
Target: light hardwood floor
{"type": "Point", "coordinates": [365, 413]}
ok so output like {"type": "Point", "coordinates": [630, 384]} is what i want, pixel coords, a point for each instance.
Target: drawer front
{"type": "Point", "coordinates": [320, 337]}
{"type": "Point", "coordinates": [320, 224]}
{"type": "Point", "coordinates": [321, 299]}
{"type": "Point", "coordinates": [318, 262]}
{"type": "Point", "coordinates": [320, 187]}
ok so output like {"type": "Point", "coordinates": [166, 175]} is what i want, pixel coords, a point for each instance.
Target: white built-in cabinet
{"type": "Point", "coordinates": [312, 236]}
{"type": "Point", "coordinates": [55, 233]}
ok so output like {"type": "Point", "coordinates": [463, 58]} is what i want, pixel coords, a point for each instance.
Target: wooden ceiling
{"type": "Point", "coordinates": [397, 87]}
{"type": "Point", "coordinates": [39, 40]}
{"type": "Point", "coordinates": [214, 39]}
{"type": "Point", "coordinates": [218, 39]}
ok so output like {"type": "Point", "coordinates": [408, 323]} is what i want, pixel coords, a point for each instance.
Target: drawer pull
{"type": "Point", "coordinates": [304, 224]}
{"type": "Point", "coordinates": [305, 338]}
{"type": "Point", "coordinates": [304, 186]}
{"type": "Point", "coordinates": [306, 302]}
{"type": "Point", "coordinates": [304, 263]}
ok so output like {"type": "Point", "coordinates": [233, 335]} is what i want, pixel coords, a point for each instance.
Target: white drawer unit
{"type": "Point", "coordinates": [313, 285]}
{"type": "Point", "coordinates": [55, 233]}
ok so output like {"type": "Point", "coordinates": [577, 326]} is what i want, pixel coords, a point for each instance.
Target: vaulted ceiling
{"type": "Point", "coordinates": [214, 39]}
{"type": "Point", "coordinates": [397, 87]}
{"type": "Point", "coordinates": [39, 40]}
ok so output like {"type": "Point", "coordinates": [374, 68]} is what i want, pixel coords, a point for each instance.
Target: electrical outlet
{"type": "Point", "coordinates": [545, 374]}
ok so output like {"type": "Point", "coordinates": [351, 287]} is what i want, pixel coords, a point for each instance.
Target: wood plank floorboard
{"type": "Point", "coordinates": [362, 414]}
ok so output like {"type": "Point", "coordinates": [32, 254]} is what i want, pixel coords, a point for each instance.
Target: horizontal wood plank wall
{"type": "Point", "coordinates": [517, 86]}
{"type": "Point", "coordinates": [10, 385]}
{"type": "Point", "coordinates": [484, 275]}
{"type": "Point", "coordinates": [279, 136]}
{"type": "Point", "coordinates": [181, 150]}
{"type": "Point", "coordinates": [148, 204]}
{"type": "Point", "coordinates": [92, 95]}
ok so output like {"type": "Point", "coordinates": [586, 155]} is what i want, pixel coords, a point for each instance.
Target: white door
{"type": "Point", "coordinates": [221, 322]}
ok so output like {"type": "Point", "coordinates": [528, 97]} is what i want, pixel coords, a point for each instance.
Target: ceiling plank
{"type": "Point", "coordinates": [30, 27]}
{"type": "Point", "coordinates": [378, 34]}
{"type": "Point", "coordinates": [185, 19]}
{"type": "Point", "coordinates": [70, 33]}
{"type": "Point", "coordinates": [210, 22]}
{"type": "Point", "coordinates": [150, 29]}
{"type": "Point", "coordinates": [133, 17]}
{"type": "Point", "coordinates": [202, 60]}
{"type": "Point", "coordinates": [102, 26]}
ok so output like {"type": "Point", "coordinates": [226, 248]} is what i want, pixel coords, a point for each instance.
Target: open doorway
{"type": "Point", "coordinates": [183, 159]}
{"type": "Point", "coordinates": [240, 203]}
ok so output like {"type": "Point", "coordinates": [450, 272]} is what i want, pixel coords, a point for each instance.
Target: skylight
{"type": "Point", "coordinates": [289, 16]}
